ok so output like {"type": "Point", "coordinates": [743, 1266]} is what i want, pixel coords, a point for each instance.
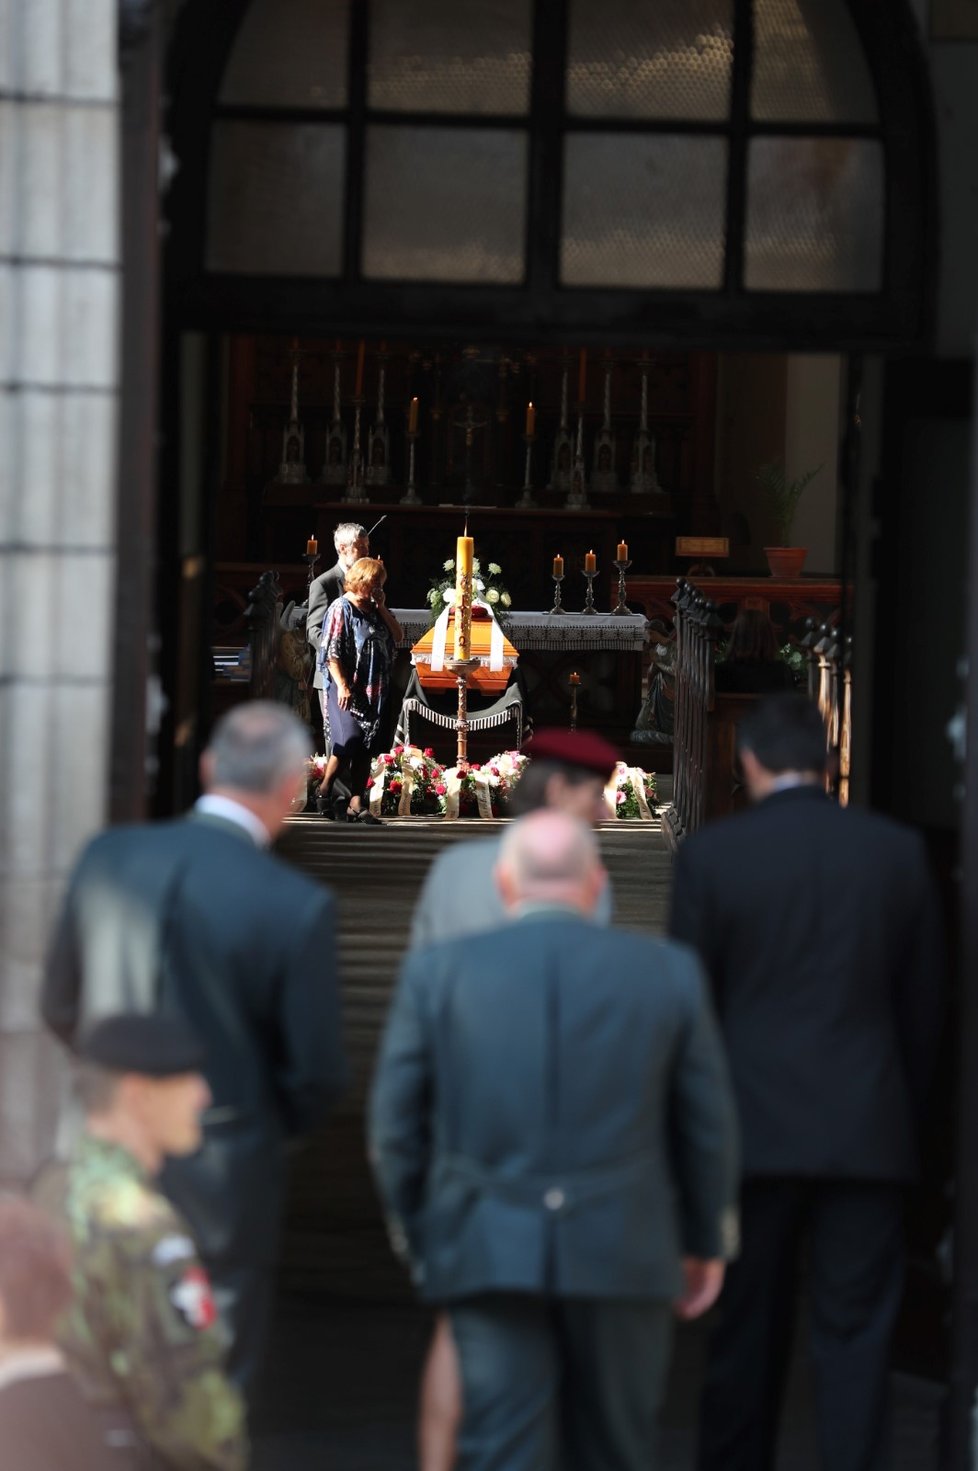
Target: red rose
{"type": "Point", "coordinates": [394, 787]}
{"type": "Point", "coordinates": [440, 789]}
{"type": "Point", "coordinates": [429, 751]}
{"type": "Point", "coordinates": [370, 781]}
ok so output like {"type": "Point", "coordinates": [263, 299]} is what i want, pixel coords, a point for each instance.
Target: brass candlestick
{"type": "Point", "coordinates": [461, 669]}
{"type": "Point", "coordinates": [355, 493]}
{"type": "Point", "coordinates": [575, 684]}
{"type": "Point", "coordinates": [411, 498]}
{"type": "Point", "coordinates": [622, 606]}
{"type": "Point", "coordinates": [589, 598]}
{"type": "Point", "coordinates": [311, 559]}
{"type": "Point", "coordinates": [526, 501]}
{"type": "Point", "coordinates": [557, 605]}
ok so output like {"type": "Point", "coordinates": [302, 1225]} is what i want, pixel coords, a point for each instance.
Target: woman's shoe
{"type": "Point", "coordinates": [366, 817]}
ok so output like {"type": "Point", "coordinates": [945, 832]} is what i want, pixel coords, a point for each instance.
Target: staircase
{"type": "Point", "coordinates": [335, 1240]}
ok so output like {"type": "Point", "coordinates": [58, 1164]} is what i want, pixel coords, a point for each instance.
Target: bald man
{"type": "Point", "coordinates": [552, 1133]}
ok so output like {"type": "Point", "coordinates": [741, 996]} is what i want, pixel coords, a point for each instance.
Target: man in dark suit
{"type": "Point", "coordinates": [196, 918]}
{"type": "Point", "coordinates": [820, 931]}
{"type": "Point", "coordinates": [551, 1130]}
{"type": "Point", "coordinates": [351, 542]}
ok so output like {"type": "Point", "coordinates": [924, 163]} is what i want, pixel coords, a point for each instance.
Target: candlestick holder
{"type": "Point", "coordinates": [311, 560]}
{"type": "Point", "coordinates": [461, 668]}
{"type": "Point", "coordinates": [557, 607]}
{"type": "Point", "coordinates": [411, 497]}
{"type": "Point", "coordinates": [621, 607]}
{"type": "Point", "coordinates": [355, 493]}
{"type": "Point", "coordinates": [526, 501]}
{"type": "Point", "coordinates": [573, 705]}
{"type": "Point", "coordinates": [589, 596]}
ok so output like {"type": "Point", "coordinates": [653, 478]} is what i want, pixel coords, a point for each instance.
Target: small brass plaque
{"type": "Point", "coordinates": [702, 546]}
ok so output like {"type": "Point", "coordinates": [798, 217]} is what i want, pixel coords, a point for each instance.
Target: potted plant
{"type": "Point", "coordinates": [783, 495]}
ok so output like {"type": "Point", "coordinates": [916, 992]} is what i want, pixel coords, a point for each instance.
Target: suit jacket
{"type": "Point", "coordinates": [820, 930]}
{"type": "Point", "coordinates": [325, 589]}
{"type": "Point", "coordinates": [191, 917]}
{"type": "Point", "coordinates": [551, 1113]}
{"type": "Point", "coordinates": [459, 894]}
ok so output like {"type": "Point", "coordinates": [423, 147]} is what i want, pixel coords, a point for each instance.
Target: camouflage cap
{"type": "Point", "coordinates": [136, 1042]}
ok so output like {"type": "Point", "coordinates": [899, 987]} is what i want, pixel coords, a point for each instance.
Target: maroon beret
{"type": "Point", "coordinates": [582, 748]}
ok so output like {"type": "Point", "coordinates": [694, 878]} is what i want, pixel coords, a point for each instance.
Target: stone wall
{"type": "Point", "coordinates": [59, 296]}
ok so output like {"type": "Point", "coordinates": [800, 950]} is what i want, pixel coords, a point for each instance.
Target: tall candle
{"type": "Point", "coordinates": [531, 420]}
{"type": "Point", "coordinates": [590, 562]}
{"type": "Point", "coordinates": [623, 551]}
{"type": "Point", "coordinates": [360, 352]}
{"type": "Point", "coordinates": [413, 416]}
{"type": "Point", "coordinates": [558, 566]}
{"type": "Point", "coordinates": [464, 551]}
{"type": "Point", "coordinates": [582, 376]}
{"type": "Point", "coordinates": [312, 547]}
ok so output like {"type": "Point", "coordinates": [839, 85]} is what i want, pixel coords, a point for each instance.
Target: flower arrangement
{"type": "Point", "coordinates": [495, 779]}
{"type": "Point", "coordinates": [488, 586]}
{"type": "Point", "coordinates": [631, 793]}
{"type": "Point", "coordinates": [407, 765]}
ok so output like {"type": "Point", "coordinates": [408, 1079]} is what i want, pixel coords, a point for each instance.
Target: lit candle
{"type": "Point", "coordinates": [413, 416]}
{"type": "Point", "coordinates": [558, 565]}
{"type": "Point", "coordinates": [531, 420]}
{"type": "Point", "coordinates": [360, 352]}
{"type": "Point", "coordinates": [582, 376]}
{"type": "Point", "coordinates": [575, 677]}
{"type": "Point", "coordinates": [312, 547]}
{"type": "Point", "coordinates": [590, 562]}
{"type": "Point", "coordinates": [623, 551]}
{"type": "Point", "coordinates": [464, 551]}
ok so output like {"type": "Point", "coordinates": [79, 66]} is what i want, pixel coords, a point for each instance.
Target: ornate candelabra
{"type": "Point", "coordinates": [526, 501]}
{"type": "Point", "coordinates": [355, 493]}
{"type": "Point", "coordinates": [411, 497]}
{"type": "Point", "coordinates": [621, 606]}
{"type": "Point", "coordinates": [589, 596]}
{"type": "Point", "coordinates": [577, 495]}
{"type": "Point", "coordinates": [557, 607]}
{"type": "Point", "coordinates": [461, 668]}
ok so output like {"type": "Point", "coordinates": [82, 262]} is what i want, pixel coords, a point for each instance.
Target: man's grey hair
{"type": "Point", "coordinates": [546, 851]}
{"type": "Point", "coordinates": [257, 746]}
{"type": "Point", "coordinates": [347, 533]}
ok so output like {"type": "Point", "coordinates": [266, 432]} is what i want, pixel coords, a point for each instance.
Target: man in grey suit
{"type": "Point", "coordinates": [351, 542]}
{"type": "Point", "coordinates": [568, 772]}
{"type": "Point", "coordinates": [552, 1132]}
{"type": "Point", "coordinates": [195, 918]}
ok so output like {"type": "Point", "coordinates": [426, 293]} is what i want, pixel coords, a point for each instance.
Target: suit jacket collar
{"type": "Point", "coordinates": [225, 825]}
{"type": "Point", "coordinates": [810, 791]}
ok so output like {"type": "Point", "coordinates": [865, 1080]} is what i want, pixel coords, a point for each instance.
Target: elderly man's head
{"type": "Point", "coordinates": [549, 857]}
{"type": "Point", "coordinates": [351, 542]}
{"type": "Point", "coordinates": [257, 755]}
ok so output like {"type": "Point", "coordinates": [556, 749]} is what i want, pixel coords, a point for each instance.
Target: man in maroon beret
{"type": "Point", "coordinates": [568, 772]}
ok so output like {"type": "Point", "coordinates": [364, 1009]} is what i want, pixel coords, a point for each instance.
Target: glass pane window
{"type": "Point", "coordinates": [275, 198]}
{"type": "Point", "coordinates": [814, 215]}
{"type": "Point", "coordinates": [452, 56]}
{"type": "Point", "coordinates": [809, 65]}
{"type": "Point", "coordinates": [444, 205]}
{"type": "Point", "coordinates": [650, 59]}
{"type": "Point", "coordinates": [643, 211]}
{"type": "Point", "coordinates": [289, 53]}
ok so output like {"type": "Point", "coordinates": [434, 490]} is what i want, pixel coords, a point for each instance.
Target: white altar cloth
{"type": "Point", "coordinates": [572, 631]}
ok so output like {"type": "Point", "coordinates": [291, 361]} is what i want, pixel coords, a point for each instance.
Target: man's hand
{"type": "Point", "coordinates": [703, 1282]}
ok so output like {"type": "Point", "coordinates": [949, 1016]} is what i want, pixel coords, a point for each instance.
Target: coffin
{"type": "Point", "coordinates": [482, 678]}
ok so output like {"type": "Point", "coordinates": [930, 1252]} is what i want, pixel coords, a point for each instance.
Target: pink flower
{"type": "Point", "coordinates": [398, 750]}
{"type": "Point", "coordinates": [440, 789]}
{"type": "Point", "coordinates": [428, 751]}
{"type": "Point", "coordinates": [620, 797]}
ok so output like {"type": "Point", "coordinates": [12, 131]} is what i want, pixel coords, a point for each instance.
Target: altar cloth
{"type": "Point", "coordinates": [554, 631]}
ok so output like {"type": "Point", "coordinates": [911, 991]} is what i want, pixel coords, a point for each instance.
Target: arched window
{"type": "Point", "coordinates": [731, 171]}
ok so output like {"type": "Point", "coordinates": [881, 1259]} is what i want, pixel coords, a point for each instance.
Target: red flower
{"type": "Point", "coordinates": [428, 751]}
{"type": "Point", "coordinates": [394, 787]}
{"type": "Point", "coordinates": [398, 750]}
{"type": "Point", "coordinates": [370, 781]}
{"type": "Point", "coordinates": [440, 789]}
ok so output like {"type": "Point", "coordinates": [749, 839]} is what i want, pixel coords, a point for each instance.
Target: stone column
{"type": "Point", "coordinates": [59, 294]}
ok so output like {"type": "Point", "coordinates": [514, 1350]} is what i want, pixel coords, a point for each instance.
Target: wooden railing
{"type": "Point", "coordinates": [707, 780]}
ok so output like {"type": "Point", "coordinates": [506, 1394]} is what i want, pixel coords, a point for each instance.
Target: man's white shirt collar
{"type": "Point", "coordinates": [233, 811]}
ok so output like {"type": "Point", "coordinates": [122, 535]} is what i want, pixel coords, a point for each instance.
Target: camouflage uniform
{"type": "Point", "coordinates": [142, 1331]}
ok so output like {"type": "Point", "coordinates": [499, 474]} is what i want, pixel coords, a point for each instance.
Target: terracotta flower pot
{"type": "Point", "coordinates": [786, 563]}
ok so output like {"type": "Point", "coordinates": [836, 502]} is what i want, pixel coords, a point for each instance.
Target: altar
{"type": "Point", "coordinates": [606, 652]}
